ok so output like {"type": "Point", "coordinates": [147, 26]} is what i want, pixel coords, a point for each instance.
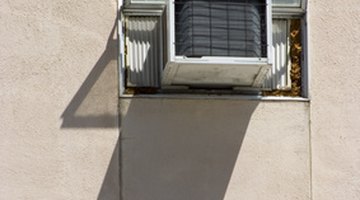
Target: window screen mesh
{"type": "Point", "coordinates": [220, 28]}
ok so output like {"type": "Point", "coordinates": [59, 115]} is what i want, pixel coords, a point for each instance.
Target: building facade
{"type": "Point", "coordinates": [66, 134]}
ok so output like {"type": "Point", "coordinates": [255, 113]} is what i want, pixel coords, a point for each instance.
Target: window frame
{"type": "Point", "coordinates": [284, 12]}
{"type": "Point", "coordinates": [299, 13]}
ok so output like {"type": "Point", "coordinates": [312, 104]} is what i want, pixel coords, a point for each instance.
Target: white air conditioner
{"type": "Point", "coordinates": [218, 44]}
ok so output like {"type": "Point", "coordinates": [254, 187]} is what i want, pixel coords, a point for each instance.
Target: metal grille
{"type": "Point", "coordinates": [234, 28]}
{"type": "Point", "coordinates": [144, 59]}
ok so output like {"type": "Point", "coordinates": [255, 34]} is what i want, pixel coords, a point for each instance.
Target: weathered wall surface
{"type": "Point", "coordinates": [58, 96]}
{"type": "Point", "coordinates": [335, 107]}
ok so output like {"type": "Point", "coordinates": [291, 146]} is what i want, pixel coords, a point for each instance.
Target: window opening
{"type": "Point", "coordinates": [295, 58]}
{"type": "Point", "coordinates": [206, 28]}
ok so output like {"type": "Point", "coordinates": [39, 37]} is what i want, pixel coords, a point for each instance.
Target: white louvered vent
{"type": "Point", "coordinates": [143, 42]}
{"type": "Point", "coordinates": [280, 74]}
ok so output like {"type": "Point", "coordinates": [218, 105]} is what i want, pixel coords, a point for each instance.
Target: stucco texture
{"type": "Point", "coordinates": [60, 126]}
{"type": "Point", "coordinates": [58, 95]}
{"type": "Point", "coordinates": [335, 91]}
{"type": "Point", "coordinates": [214, 149]}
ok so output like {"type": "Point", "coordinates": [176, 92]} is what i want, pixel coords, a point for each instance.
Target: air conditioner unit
{"type": "Point", "coordinates": [218, 44]}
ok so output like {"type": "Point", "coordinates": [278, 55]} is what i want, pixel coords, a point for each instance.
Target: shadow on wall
{"type": "Point", "coordinates": [181, 149]}
{"type": "Point", "coordinates": [171, 149]}
{"type": "Point", "coordinates": [95, 103]}
{"type": "Point", "coordinates": [110, 189]}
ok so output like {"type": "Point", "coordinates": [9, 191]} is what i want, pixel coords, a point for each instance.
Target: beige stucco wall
{"type": "Point", "coordinates": [60, 130]}
{"type": "Point", "coordinates": [215, 149]}
{"type": "Point", "coordinates": [335, 105]}
{"type": "Point", "coordinates": [58, 95]}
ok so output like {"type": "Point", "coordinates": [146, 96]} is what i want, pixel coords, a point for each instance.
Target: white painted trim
{"type": "Point", "coordinates": [214, 97]}
{"type": "Point", "coordinates": [301, 5]}
{"type": "Point", "coordinates": [171, 29]}
{"type": "Point", "coordinates": [121, 56]}
{"type": "Point", "coordinates": [307, 54]}
{"type": "Point", "coordinates": [279, 11]}
{"type": "Point", "coordinates": [144, 12]}
{"type": "Point", "coordinates": [222, 60]}
{"type": "Point", "coordinates": [288, 12]}
{"type": "Point", "coordinates": [269, 39]}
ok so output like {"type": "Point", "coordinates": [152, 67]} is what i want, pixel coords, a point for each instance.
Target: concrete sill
{"type": "Point", "coordinates": [213, 96]}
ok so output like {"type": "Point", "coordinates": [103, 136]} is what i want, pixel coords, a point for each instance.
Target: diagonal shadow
{"type": "Point", "coordinates": [95, 103]}
{"type": "Point", "coordinates": [181, 149]}
{"type": "Point", "coordinates": [110, 189]}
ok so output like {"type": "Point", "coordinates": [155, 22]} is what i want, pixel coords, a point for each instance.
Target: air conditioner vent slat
{"type": "Point", "coordinates": [144, 58]}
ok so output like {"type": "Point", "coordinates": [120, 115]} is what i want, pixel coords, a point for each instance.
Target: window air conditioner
{"type": "Point", "coordinates": [218, 44]}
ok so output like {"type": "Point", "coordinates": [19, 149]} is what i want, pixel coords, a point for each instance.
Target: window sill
{"type": "Point", "coordinates": [214, 96]}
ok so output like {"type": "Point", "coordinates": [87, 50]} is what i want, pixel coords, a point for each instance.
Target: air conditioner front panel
{"type": "Point", "coordinates": [215, 75]}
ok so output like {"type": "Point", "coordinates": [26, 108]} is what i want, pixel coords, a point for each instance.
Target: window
{"type": "Point", "coordinates": [211, 46]}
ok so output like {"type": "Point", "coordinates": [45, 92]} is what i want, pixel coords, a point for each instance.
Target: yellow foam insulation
{"type": "Point", "coordinates": [295, 56]}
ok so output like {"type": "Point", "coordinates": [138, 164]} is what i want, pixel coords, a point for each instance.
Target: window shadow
{"type": "Point", "coordinates": [170, 149]}
{"type": "Point", "coordinates": [181, 149]}
{"type": "Point", "coordinates": [110, 189]}
{"type": "Point", "coordinates": [95, 103]}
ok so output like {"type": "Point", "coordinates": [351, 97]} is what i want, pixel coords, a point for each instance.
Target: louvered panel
{"type": "Point", "coordinates": [280, 73]}
{"type": "Point", "coordinates": [143, 51]}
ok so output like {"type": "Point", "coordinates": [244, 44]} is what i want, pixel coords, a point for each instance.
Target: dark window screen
{"type": "Point", "coordinates": [220, 28]}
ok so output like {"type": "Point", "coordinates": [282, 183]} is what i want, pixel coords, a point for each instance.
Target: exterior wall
{"type": "Point", "coordinates": [60, 128]}
{"type": "Point", "coordinates": [335, 107]}
{"type": "Point", "coordinates": [215, 149]}
{"type": "Point", "coordinates": [58, 116]}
